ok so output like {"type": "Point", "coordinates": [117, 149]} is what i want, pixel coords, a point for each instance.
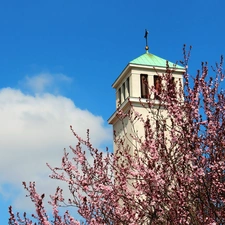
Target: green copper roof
{"type": "Point", "coordinates": [149, 59]}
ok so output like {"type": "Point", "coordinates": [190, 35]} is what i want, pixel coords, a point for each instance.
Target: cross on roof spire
{"type": "Point", "coordinates": [146, 38]}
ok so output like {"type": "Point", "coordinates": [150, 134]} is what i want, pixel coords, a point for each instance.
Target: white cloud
{"type": "Point", "coordinates": [35, 130]}
{"type": "Point", "coordinates": [43, 82]}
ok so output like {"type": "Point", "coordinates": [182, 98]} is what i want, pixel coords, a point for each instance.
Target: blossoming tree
{"type": "Point", "coordinates": [175, 175]}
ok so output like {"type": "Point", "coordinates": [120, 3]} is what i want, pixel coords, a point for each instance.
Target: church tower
{"type": "Point", "coordinates": [134, 88]}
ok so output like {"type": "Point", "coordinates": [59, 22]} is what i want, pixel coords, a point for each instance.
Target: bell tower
{"type": "Point", "coordinates": [139, 83]}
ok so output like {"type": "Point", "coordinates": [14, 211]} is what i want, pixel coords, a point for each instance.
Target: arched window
{"type": "Point", "coordinates": [119, 96]}
{"type": "Point", "coordinates": [123, 90]}
{"type": "Point", "coordinates": [172, 88]}
{"type": "Point", "coordinates": [158, 86]}
{"type": "Point", "coordinates": [144, 86]}
{"type": "Point", "coordinates": [128, 86]}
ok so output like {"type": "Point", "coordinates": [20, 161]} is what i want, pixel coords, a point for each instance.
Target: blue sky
{"type": "Point", "coordinates": [58, 61]}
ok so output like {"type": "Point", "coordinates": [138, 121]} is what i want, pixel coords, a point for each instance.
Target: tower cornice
{"type": "Point", "coordinates": [135, 102]}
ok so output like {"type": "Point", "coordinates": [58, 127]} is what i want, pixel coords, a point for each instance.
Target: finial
{"type": "Point", "coordinates": [146, 38]}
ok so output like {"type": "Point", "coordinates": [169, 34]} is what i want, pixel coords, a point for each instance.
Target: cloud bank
{"type": "Point", "coordinates": [35, 130]}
